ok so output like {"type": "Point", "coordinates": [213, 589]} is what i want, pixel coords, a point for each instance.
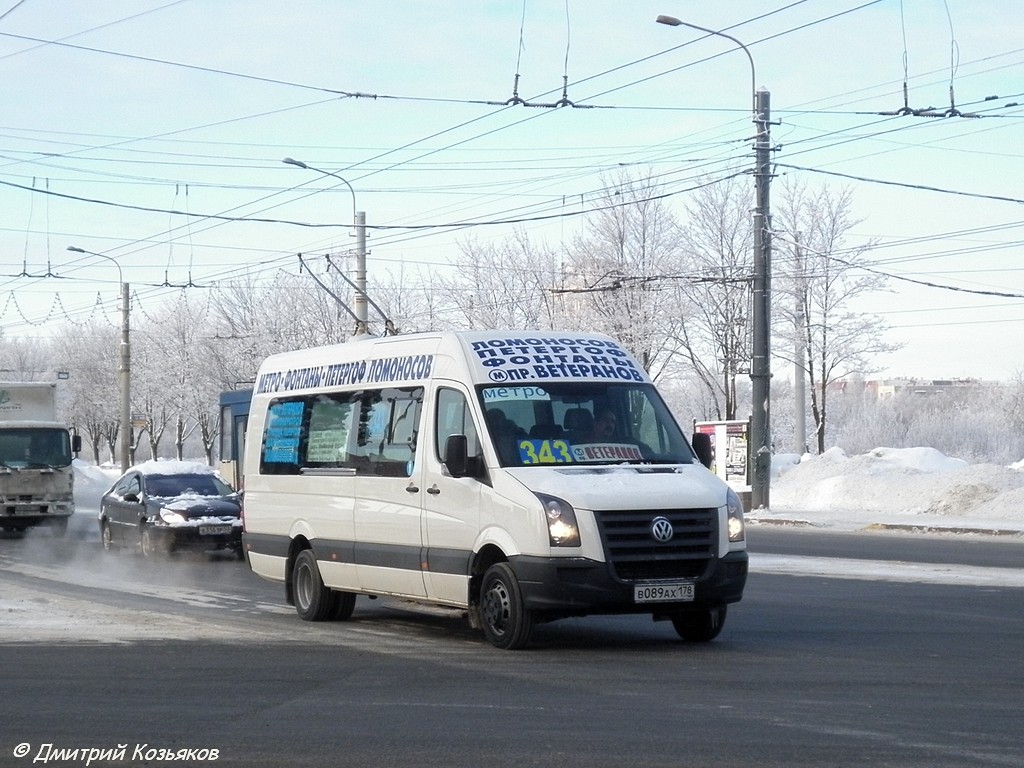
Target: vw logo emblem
{"type": "Point", "coordinates": [661, 529]}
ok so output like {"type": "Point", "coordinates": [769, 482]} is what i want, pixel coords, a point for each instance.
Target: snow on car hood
{"type": "Point", "coordinates": [201, 506]}
{"type": "Point", "coordinates": [626, 485]}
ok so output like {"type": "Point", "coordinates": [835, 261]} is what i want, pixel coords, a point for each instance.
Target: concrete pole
{"type": "Point", "coordinates": [124, 375]}
{"type": "Point", "coordinates": [760, 368]}
{"type": "Point", "coordinates": [361, 310]}
{"type": "Point", "coordinates": [799, 374]}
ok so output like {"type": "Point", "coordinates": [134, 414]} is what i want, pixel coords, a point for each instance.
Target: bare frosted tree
{"type": "Point", "coordinates": [718, 238]}
{"type": "Point", "coordinates": [623, 271]}
{"type": "Point", "coordinates": [412, 299]}
{"type": "Point", "coordinates": [90, 353]}
{"type": "Point", "coordinates": [820, 283]}
{"type": "Point", "coordinates": [25, 359]}
{"type": "Point", "coordinates": [504, 284]}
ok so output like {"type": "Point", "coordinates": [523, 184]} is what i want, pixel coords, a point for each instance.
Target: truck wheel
{"type": "Point", "coordinates": [59, 527]}
{"type": "Point", "coordinates": [106, 536]}
{"type": "Point", "coordinates": [700, 626]}
{"type": "Point", "coordinates": [313, 601]}
{"type": "Point", "coordinates": [506, 621]}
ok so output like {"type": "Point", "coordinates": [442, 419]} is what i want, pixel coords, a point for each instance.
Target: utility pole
{"type": "Point", "coordinates": [124, 369]}
{"type": "Point", "coordinates": [760, 368]}
{"type": "Point", "coordinates": [359, 222]}
{"type": "Point", "coordinates": [125, 376]}
{"type": "Point", "coordinates": [362, 313]}
{"type": "Point", "coordinates": [799, 372]}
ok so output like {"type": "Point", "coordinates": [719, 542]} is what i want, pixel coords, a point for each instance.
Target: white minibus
{"type": "Point", "coordinates": [520, 476]}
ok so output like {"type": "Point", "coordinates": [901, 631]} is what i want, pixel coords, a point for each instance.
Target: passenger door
{"type": "Point", "coordinates": [451, 505]}
{"type": "Point", "coordinates": [388, 540]}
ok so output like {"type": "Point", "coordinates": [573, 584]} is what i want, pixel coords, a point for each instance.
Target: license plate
{"type": "Point", "coordinates": [214, 530]}
{"type": "Point", "coordinates": [679, 592]}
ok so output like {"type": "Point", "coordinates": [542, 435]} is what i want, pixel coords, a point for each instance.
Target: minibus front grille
{"type": "Point", "coordinates": [636, 555]}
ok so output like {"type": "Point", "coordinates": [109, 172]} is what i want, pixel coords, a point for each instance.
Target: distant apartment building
{"type": "Point", "coordinates": [883, 389]}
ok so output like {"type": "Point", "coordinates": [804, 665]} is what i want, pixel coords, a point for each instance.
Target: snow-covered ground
{"type": "Point", "coordinates": [900, 489]}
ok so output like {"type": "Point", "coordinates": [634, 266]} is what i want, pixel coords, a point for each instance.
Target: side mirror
{"type": "Point", "coordinates": [701, 443]}
{"type": "Point", "coordinates": [456, 455]}
{"type": "Point", "coordinates": [131, 497]}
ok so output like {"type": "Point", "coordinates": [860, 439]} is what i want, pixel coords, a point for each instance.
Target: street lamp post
{"type": "Point", "coordinates": [124, 369]}
{"type": "Point", "coordinates": [760, 366]}
{"type": "Point", "coordinates": [359, 222]}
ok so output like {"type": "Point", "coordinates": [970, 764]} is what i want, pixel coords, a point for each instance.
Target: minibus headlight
{"type": "Point", "coordinates": [734, 515]}
{"type": "Point", "coordinates": [561, 519]}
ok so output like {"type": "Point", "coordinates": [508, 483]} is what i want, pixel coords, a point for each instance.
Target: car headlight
{"type": "Point", "coordinates": [172, 518]}
{"type": "Point", "coordinates": [563, 530]}
{"type": "Point", "coordinates": [734, 515]}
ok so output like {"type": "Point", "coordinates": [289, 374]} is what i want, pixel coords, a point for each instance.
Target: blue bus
{"type": "Point", "coordinates": [234, 415]}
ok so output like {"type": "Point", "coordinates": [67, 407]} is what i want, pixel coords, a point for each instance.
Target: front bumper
{"type": "Point", "coordinates": [24, 514]}
{"type": "Point", "coordinates": [579, 586]}
{"type": "Point", "coordinates": [194, 537]}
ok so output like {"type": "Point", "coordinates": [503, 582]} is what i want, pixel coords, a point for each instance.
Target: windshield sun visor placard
{"type": "Point", "coordinates": [533, 452]}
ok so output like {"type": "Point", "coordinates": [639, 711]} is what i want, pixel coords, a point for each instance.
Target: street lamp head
{"type": "Point", "coordinates": [297, 163]}
{"type": "Point", "coordinates": [672, 21]}
{"type": "Point", "coordinates": [76, 249]}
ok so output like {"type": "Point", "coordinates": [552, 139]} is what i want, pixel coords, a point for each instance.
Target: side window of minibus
{"type": "Point", "coordinates": [388, 427]}
{"type": "Point", "coordinates": [454, 418]}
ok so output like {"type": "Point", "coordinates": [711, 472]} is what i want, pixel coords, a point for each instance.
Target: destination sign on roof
{"type": "Point", "coordinates": [553, 358]}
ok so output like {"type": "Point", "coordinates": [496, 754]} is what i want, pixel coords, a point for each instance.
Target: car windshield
{"type": "Point", "coordinates": [186, 485]}
{"type": "Point", "coordinates": [582, 423]}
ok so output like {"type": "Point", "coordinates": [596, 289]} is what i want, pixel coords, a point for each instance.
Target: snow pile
{"type": "Point", "coordinates": [91, 482]}
{"type": "Point", "coordinates": [915, 487]}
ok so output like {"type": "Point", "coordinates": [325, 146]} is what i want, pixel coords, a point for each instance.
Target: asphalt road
{"type": "Point", "coordinates": [809, 671]}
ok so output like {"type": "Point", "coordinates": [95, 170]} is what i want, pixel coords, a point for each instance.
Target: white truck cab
{"type": "Point", "coordinates": [521, 476]}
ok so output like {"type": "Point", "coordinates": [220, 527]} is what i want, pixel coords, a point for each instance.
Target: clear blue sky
{"type": "Point", "coordinates": [189, 106]}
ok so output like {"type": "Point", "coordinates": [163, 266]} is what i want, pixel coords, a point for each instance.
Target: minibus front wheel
{"type": "Point", "coordinates": [506, 621]}
{"type": "Point", "coordinates": [700, 626]}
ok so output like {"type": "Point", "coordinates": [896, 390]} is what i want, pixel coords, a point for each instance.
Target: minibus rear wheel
{"type": "Point", "coordinates": [343, 603]}
{"type": "Point", "coordinates": [313, 601]}
{"type": "Point", "coordinates": [506, 621]}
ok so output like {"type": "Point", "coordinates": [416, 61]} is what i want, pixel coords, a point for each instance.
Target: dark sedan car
{"type": "Point", "coordinates": [162, 506]}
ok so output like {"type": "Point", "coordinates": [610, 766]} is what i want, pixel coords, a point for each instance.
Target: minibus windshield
{"type": "Point", "coordinates": [582, 423]}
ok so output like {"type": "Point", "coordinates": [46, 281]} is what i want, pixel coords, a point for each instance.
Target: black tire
{"type": "Point", "coordinates": [506, 622]}
{"type": "Point", "coordinates": [700, 626]}
{"type": "Point", "coordinates": [313, 601]}
{"type": "Point", "coordinates": [59, 527]}
{"type": "Point", "coordinates": [150, 545]}
{"type": "Point", "coordinates": [107, 537]}
{"type": "Point", "coordinates": [344, 604]}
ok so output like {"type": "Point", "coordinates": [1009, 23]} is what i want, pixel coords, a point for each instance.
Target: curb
{"type": "Point", "coordinates": [942, 529]}
{"type": "Point", "coordinates": [905, 528]}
